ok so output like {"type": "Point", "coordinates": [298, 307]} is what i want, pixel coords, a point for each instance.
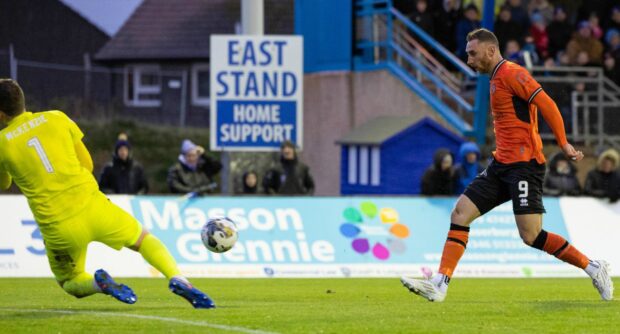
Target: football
{"type": "Point", "coordinates": [219, 234]}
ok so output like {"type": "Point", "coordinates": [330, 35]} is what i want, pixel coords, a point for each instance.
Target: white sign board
{"type": "Point", "coordinates": [256, 92]}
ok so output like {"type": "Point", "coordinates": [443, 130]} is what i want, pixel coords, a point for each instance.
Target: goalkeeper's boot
{"type": "Point", "coordinates": [109, 287]}
{"type": "Point", "coordinates": [602, 281]}
{"type": "Point", "coordinates": [197, 298]}
{"type": "Point", "coordinates": [424, 288]}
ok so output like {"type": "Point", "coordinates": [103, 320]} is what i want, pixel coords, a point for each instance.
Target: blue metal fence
{"type": "Point", "coordinates": [387, 39]}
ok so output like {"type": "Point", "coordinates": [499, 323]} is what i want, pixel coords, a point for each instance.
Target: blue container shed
{"type": "Point", "coordinates": [389, 154]}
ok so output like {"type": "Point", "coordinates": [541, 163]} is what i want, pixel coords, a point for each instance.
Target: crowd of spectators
{"type": "Point", "coordinates": [531, 32]}
{"type": "Point", "coordinates": [195, 173]}
{"type": "Point", "coordinates": [547, 33]}
{"type": "Point", "coordinates": [443, 178]}
{"type": "Point", "coordinates": [558, 32]}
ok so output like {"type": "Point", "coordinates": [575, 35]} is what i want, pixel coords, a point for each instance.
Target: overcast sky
{"type": "Point", "coordinates": [108, 15]}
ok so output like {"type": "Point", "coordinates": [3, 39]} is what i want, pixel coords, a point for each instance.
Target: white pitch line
{"type": "Point", "coordinates": [148, 317]}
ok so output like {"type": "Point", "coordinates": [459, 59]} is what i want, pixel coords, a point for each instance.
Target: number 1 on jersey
{"type": "Point", "coordinates": [34, 142]}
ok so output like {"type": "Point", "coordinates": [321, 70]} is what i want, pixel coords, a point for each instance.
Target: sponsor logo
{"type": "Point", "coordinates": [375, 231]}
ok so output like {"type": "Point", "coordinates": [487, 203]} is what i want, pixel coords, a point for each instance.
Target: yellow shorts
{"type": "Point", "coordinates": [66, 241]}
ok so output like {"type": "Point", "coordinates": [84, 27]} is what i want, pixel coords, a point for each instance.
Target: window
{"type": "Point", "coordinates": [200, 85]}
{"type": "Point", "coordinates": [143, 86]}
{"type": "Point", "coordinates": [364, 165]}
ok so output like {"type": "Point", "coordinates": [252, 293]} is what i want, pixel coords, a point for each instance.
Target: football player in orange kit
{"type": "Point", "coordinates": [515, 173]}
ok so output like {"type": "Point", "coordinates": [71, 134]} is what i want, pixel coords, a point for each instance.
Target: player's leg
{"type": "Point", "coordinates": [483, 194]}
{"type": "Point", "coordinates": [155, 253]}
{"type": "Point", "coordinates": [68, 269]}
{"type": "Point", "coordinates": [464, 212]}
{"type": "Point", "coordinates": [119, 229]}
{"type": "Point", "coordinates": [65, 245]}
{"type": "Point", "coordinates": [435, 289]}
{"type": "Point", "coordinates": [530, 229]}
{"type": "Point", "coordinates": [116, 228]}
{"type": "Point", "coordinates": [526, 190]}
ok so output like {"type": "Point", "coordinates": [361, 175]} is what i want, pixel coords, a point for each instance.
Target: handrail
{"type": "Point", "coordinates": [566, 69]}
{"type": "Point", "coordinates": [439, 69]}
{"type": "Point", "coordinates": [459, 64]}
{"type": "Point", "coordinates": [433, 78]}
{"type": "Point", "coordinates": [453, 119]}
{"type": "Point", "coordinates": [591, 108]}
{"type": "Point", "coordinates": [389, 40]}
{"type": "Point", "coordinates": [611, 84]}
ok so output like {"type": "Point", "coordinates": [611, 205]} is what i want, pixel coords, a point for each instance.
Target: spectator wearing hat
{"type": "Point", "coordinates": [194, 172]}
{"type": "Point", "coordinates": [123, 175]}
{"type": "Point", "coordinates": [583, 41]}
{"type": "Point", "coordinates": [603, 181]}
{"type": "Point", "coordinates": [291, 177]}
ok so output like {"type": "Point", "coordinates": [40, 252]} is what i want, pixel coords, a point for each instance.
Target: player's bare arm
{"type": "Point", "coordinates": [552, 116]}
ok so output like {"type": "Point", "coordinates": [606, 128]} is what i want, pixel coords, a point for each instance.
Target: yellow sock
{"type": "Point", "coordinates": [157, 255]}
{"type": "Point", "coordinates": [82, 285]}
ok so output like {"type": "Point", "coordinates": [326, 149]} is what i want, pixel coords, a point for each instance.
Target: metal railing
{"type": "Point", "coordinates": [387, 39]}
{"type": "Point", "coordinates": [594, 103]}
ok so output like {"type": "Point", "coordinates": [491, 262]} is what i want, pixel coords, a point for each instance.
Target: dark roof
{"type": "Point", "coordinates": [381, 129]}
{"type": "Point", "coordinates": [47, 31]}
{"type": "Point", "coordinates": [180, 29]}
{"type": "Point", "coordinates": [378, 130]}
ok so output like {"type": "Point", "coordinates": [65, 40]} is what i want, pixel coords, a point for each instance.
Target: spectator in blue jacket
{"type": "Point", "coordinates": [468, 167]}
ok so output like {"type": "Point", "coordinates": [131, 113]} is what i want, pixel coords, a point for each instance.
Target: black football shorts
{"type": "Point", "coordinates": [520, 181]}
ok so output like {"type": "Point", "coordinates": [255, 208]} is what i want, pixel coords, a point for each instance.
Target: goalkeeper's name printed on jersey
{"type": "Point", "coordinates": [26, 127]}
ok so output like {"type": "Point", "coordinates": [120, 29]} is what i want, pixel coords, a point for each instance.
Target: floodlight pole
{"type": "Point", "coordinates": [252, 17]}
{"type": "Point", "coordinates": [252, 23]}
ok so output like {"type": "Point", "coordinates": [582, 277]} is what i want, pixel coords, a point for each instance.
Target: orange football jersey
{"type": "Point", "coordinates": [515, 117]}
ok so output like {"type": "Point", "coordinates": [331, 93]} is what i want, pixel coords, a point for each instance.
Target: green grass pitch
{"type": "Point", "coordinates": [29, 305]}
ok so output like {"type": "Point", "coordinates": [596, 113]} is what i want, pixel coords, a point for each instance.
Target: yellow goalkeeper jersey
{"type": "Point", "coordinates": [38, 152]}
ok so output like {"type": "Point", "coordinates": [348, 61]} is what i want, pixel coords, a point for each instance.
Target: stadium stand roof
{"type": "Point", "coordinates": [180, 29]}
{"type": "Point", "coordinates": [378, 130]}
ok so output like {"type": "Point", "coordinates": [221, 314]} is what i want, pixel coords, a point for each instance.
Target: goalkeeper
{"type": "Point", "coordinates": [44, 155]}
